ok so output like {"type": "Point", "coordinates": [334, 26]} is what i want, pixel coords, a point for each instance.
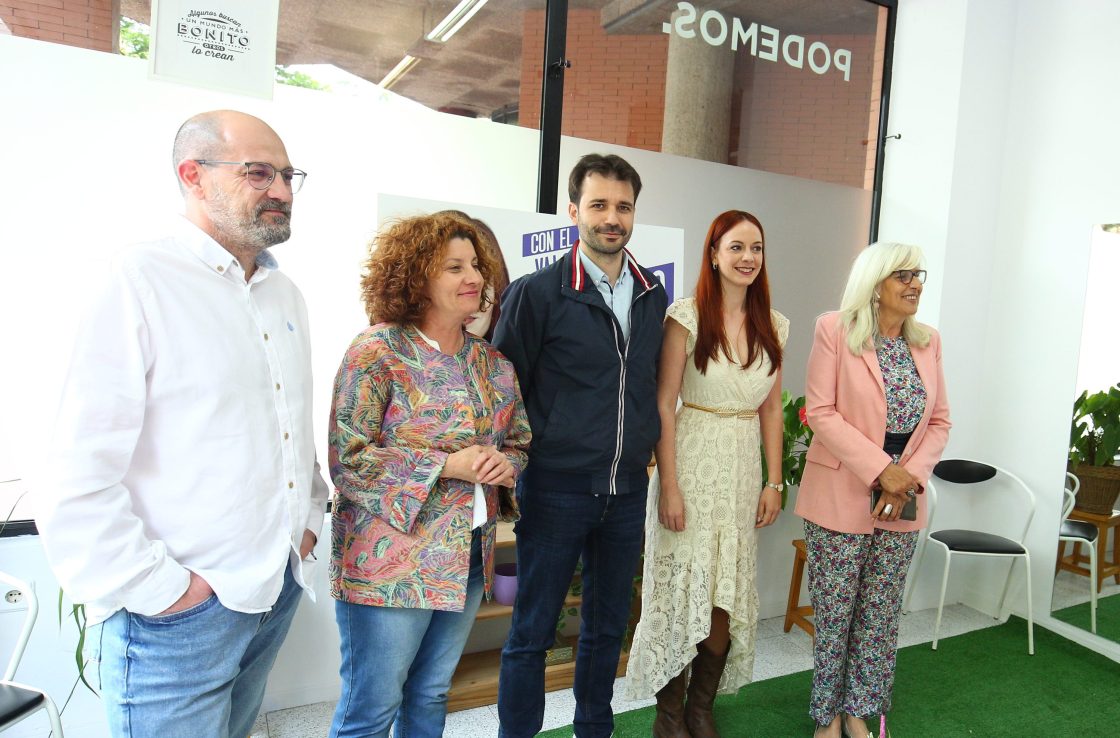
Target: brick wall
{"type": "Point", "coordinates": [784, 120]}
{"type": "Point", "coordinates": [615, 89]}
{"type": "Point", "coordinates": [876, 97]}
{"type": "Point", "coordinates": [84, 23]}
{"type": "Point", "coordinates": [532, 51]}
{"type": "Point", "coordinates": [796, 122]}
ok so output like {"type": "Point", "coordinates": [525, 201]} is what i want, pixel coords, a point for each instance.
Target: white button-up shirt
{"type": "Point", "coordinates": [184, 438]}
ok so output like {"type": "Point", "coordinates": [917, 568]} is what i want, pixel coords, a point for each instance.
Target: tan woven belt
{"type": "Point", "coordinates": [741, 414]}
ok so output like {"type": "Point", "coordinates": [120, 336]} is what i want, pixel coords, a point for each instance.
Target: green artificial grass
{"type": "Point", "coordinates": [981, 683]}
{"type": "Point", "coordinates": [1108, 617]}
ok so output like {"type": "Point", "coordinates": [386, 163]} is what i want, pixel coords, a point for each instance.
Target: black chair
{"type": "Point", "coordinates": [1079, 532]}
{"type": "Point", "coordinates": [959, 542]}
{"type": "Point", "coordinates": [18, 701]}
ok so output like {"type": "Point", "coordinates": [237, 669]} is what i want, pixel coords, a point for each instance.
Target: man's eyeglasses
{"type": "Point", "coordinates": [906, 276]}
{"type": "Point", "coordinates": [260, 174]}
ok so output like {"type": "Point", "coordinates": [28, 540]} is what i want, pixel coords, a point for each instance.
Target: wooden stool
{"type": "Point", "coordinates": [1074, 561]}
{"type": "Point", "coordinates": [798, 614]}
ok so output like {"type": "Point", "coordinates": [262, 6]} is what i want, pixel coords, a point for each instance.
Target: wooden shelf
{"type": "Point", "coordinates": [475, 683]}
{"type": "Point", "coordinates": [490, 610]}
{"type": "Point", "coordinates": [506, 539]}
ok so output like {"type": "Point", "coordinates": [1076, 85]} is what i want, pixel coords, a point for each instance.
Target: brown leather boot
{"type": "Point", "coordinates": [669, 722]}
{"type": "Point", "coordinates": [707, 668]}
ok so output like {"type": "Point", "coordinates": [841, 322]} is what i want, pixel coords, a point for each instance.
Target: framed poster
{"type": "Point", "coordinates": [226, 45]}
{"type": "Point", "coordinates": [531, 241]}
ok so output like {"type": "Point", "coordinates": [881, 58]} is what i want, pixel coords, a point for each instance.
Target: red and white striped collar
{"type": "Point", "coordinates": [579, 274]}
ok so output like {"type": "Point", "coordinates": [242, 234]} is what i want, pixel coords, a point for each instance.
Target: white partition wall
{"type": "Point", "coordinates": [1008, 158]}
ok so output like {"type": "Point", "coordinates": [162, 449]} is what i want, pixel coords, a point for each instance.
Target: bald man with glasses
{"type": "Point", "coordinates": [184, 498]}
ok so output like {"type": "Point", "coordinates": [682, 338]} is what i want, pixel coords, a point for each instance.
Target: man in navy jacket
{"type": "Point", "coordinates": [584, 335]}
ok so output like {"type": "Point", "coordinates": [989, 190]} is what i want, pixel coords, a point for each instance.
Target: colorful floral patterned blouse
{"type": "Point", "coordinates": [906, 394]}
{"type": "Point", "coordinates": [401, 535]}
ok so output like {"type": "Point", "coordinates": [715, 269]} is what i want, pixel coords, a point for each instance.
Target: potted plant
{"type": "Point", "coordinates": [796, 436]}
{"type": "Point", "coordinates": [1094, 444]}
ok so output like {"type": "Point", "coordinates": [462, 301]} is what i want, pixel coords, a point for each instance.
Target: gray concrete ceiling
{"type": "Point", "coordinates": [479, 70]}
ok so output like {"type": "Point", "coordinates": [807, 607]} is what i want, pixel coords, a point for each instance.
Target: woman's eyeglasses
{"type": "Point", "coordinates": [906, 276]}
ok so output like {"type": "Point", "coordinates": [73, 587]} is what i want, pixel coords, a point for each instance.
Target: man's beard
{"type": "Point", "coordinates": [590, 237]}
{"type": "Point", "coordinates": [252, 231]}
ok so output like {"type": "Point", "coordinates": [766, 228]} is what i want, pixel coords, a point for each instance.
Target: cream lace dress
{"type": "Point", "coordinates": [712, 562]}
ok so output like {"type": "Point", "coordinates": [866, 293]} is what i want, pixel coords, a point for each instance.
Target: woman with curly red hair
{"type": "Point", "coordinates": [483, 322]}
{"type": "Point", "coordinates": [722, 357]}
{"type": "Point", "coordinates": [427, 422]}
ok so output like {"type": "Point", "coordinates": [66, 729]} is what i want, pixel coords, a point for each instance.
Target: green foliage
{"type": "Point", "coordinates": [796, 436]}
{"type": "Point", "coordinates": [566, 612]}
{"type": "Point", "coordinates": [1095, 434]}
{"type": "Point", "coordinates": [78, 615]}
{"type": "Point", "coordinates": [575, 590]}
{"type": "Point", "coordinates": [298, 79]}
{"type": "Point", "coordinates": [135, 39]}
{"type": "Point", "coordinates": [635, 607]}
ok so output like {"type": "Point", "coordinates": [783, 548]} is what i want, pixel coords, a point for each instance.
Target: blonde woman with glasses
{"type": "Point", "coordinates": [875, 399]}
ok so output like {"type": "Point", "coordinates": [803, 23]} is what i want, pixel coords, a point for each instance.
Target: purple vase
{"type": "Point", "coordinates": [505, 583]}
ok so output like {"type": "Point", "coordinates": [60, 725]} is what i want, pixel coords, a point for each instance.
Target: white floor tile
{"type": "Point", "coordinates": [917, 627]}
{"type": "Point", "coordinates": [309, 721]}
{"type": "Point", "coordinates": [481, 722]}
{"type": "Point", "coordinates": [772, 627]}
{"type": "Point", "coordinates": [620, 704]}
{"type": "Point", "coordinates": [783, 654]}
{"type": "Point", "coordinates": [559, 708]}
{"type": "Point", "coordinates": [1073, 589]}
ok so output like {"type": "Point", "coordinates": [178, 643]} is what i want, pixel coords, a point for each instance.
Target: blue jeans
{"type": "Point", "coordinates": [198, 672]}
{"type": "Point", "coordinates": [557, 528]}
{"type": "Point", "coordinates": [397, 663]}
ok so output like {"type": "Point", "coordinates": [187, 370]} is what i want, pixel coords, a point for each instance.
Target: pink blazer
{"type": "Point", "coordinates": [846, 406]}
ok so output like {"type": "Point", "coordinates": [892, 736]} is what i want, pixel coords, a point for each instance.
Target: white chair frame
{"type": "Point", "coordinates": [931, 491]}
{"type": "Point", "coordinates": [47, 704]}
{"type": "Point", "coordinates": [1073, 485]}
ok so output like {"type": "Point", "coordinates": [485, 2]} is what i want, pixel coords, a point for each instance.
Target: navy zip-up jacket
{"type": "Point", "coordinates": [590, 394]}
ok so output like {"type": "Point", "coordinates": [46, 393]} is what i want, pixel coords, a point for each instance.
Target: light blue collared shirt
{"type": "Point", "coordinates": [617, 296]}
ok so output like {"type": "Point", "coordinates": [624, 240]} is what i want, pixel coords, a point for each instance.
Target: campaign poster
{"type": "Point", "coordinates": [530, 241]}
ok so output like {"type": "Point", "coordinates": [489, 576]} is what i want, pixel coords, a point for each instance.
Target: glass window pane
{"type": "Point", "coordinates": [785, 86]}
{"type": "Point", "coordinates": [457, 56]}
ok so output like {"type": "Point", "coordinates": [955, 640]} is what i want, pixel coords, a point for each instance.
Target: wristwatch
{"type": "Point", "coordinates": [776, 485]}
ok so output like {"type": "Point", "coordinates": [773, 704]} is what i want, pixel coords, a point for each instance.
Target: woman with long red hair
{"type": "Point", "coordinates": [721, 356]}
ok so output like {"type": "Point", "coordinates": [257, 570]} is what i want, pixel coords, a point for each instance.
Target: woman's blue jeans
{"type": "Point", "coordinates": [397, 663]}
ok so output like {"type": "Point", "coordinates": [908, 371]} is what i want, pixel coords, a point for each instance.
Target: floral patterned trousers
{"type": "Point", "coordinates": [856, 583]}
